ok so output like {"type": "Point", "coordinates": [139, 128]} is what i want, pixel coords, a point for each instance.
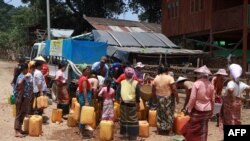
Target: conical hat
{"type": "Point", "coordinates": [203, 70]}
{"type": "Point", "coordinates": [221, 72]}
{"type": "Point", "coordinates": [180, 78]}
{"type": "Point", "coordinates": [40, 58]}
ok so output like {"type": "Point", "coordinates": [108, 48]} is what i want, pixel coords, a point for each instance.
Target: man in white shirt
{"type": "Point", "coordinates": [39, 84]}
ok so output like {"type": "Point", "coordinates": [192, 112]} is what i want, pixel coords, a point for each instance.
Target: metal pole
{"type": "Point", "coordinates": [48, 20]}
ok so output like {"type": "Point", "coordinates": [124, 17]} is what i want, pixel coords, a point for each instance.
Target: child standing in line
{"type": "Point", "coordinates": [108, 96]}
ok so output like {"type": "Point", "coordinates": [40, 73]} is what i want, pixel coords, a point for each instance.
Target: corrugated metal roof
{"type": "Point", "coordinates": [133, 39]}
{"type": "Point", "coordinates": [132, 26]}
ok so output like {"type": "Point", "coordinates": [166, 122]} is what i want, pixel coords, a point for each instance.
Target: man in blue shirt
{"type": "Point", "coordinates": [101, 68]}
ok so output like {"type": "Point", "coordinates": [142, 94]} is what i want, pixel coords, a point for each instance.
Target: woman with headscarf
{"type": "Point", "coordinates": [200, 107]}
{"type": "Point", "coordinates": [62, 92]}
{"type": "Point", "coordinates": [85, 95]}
{"type": "Point", "coordinates": [164, 91]}
{"type": "Point", "coordinates": [218, 82]}
{"type": "Point", "coordinates": [130, 98]}
{"type": "Point", "coordinates": [231, 109]}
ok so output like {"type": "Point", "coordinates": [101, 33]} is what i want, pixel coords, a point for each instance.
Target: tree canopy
{"type": "Point", "coordinates": [148, 10]}
{"type": "Point", "coordinates": [66, 14]}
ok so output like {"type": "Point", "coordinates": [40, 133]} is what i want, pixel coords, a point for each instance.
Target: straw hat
{"type": "Point", "coordinates": [180, 78]}
{"type": "Point", "coordinates": [139, 65]}
{"type": "Point", "coordinates": [221, 72]}
{"type": "Point", "coordinates": [32, 63]}
{"type": "Point", "coordinates": [40, 58]}
{"type": "Point", "coordinates": [203, 70]}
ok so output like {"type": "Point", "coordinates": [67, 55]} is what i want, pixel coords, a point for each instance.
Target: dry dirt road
{"type": "Point", "coordinates": [60, 132]}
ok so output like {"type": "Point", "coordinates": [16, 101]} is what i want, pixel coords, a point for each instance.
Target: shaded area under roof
{"type": "Point", "coordinates": [133, 39]}
{"type": "Point", "coordinates": [123, 25]}
{"type": "Point", "coordinates": [169, 51]}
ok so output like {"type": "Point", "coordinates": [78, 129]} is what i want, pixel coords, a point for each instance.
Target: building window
{"type": "Point", "coordinates": [173, 8]}
{"type": "Point", "coordinates": [196, 5]}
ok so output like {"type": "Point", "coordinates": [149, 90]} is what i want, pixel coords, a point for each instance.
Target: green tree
{"type": "Point", "coordinates": [70, 13]}
{"type": "Point", "coordinates": [148, 10]}
{"type": "Point", "coordinates": [5, 15]}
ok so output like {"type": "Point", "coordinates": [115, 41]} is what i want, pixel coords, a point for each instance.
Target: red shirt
{"type": "Point", "coordinates": [123, 77]}
{"type": "Point", "coordinates": [80, 81]}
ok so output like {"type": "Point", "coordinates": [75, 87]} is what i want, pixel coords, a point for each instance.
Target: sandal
{"type": "Point", "coordinates": [20, 136]}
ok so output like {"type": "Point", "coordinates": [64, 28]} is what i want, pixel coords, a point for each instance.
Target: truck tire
{"type": "Point", "coordinates": [54, 91]}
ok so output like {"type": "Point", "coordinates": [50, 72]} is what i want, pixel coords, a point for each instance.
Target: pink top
{"type": "Point", "coordinates": [105, 94]}
{"type": "Point", "coordinates": [202, 96]}
{"type": "Point", "coordinates": [60, 76]}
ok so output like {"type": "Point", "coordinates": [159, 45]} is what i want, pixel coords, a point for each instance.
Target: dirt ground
{"type": "Point", "coordinates": [60, 132]}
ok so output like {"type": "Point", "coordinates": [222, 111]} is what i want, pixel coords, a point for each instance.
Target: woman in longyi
{"type": "Point", "coordinates": [200, 107]}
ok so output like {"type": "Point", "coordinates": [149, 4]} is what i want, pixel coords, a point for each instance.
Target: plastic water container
{"type": "Point", "coordinates": [106, 130]}
{"type": "Point", "coordinates": [143, 129]}
{"type": "Point", "coordinates": [217, 108]}
{"type": "Point", "coordinates": [115, 113]}
{"type": "Point", "coordinates": [152, 119]}
{"type": "Point", "coordinates": [71, 122]}
{"type": "Point", "coordinates": [12, 99]}
{"type": "Point", "coordinates": [73, 102]}
{"type": "Point", "coordinates": [87, 115]}
{"type": "Point", "coordinates": [145, 113]}
{"type": "Point", "coordinates": [59, 114]}
{"type": "Point", "coordinates": [180, 120]}
{"type": "Point", "coordinates": [118, 109]}
{"type": "Point", "coordinates": [142, 107]}
{"type": "Point", "coordinates": [42, 102]}
{"type": "Point", "coordinates": [54, 115]}
{"type": "Point", "coordinates": [35, 125]}
{"type": "Point", "coordinates": [93, 125]}
{"type": "Point", "coordinates": [26, 124]}
{"type": "Point", "coordinates": [139, 115]}
{"type": "Point", "coordinates": [76, 112]}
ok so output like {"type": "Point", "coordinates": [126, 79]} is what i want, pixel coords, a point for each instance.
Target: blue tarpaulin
{"type": "Point", "coordinates": [80, 51]}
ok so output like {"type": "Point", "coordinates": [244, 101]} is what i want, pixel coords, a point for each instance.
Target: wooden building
{"type": "Point", "coordinates": [208, 21]}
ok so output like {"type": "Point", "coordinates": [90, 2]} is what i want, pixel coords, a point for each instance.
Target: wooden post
{"type": "Point", "coordinates": [160, 59]}
{"type": "Point", "coordinates": [134, 59]}
{"type": "Point", "coordinates": [198, 63]}
{"type": "Point", "coordinates": [245, 35]}
{"type": "Point", "coordinates": [211, 38]}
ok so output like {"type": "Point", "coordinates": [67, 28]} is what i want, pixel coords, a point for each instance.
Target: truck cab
{"type": "Point", "coordinates": [37, 50]}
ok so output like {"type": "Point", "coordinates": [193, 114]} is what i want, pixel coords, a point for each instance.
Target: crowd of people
{"type": "Point", "coordinates": [121, 83]}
